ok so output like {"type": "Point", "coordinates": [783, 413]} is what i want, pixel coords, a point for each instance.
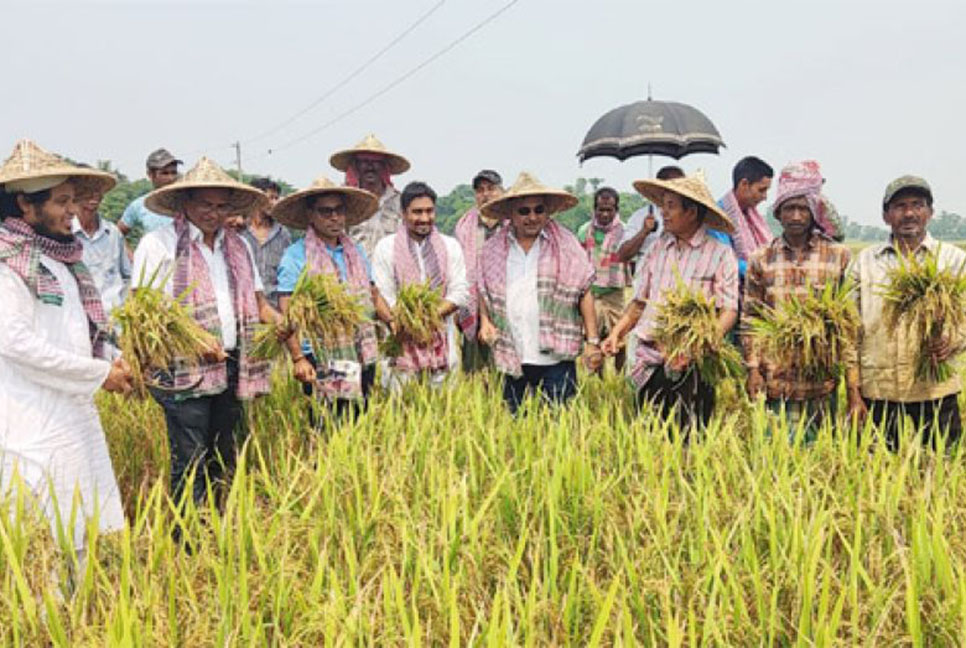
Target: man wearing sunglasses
{"type": "Point", "coordinates": [536, 306]}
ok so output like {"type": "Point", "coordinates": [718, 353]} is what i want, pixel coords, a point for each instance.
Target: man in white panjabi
{"type": "Point", "coordinates": [52, 328]}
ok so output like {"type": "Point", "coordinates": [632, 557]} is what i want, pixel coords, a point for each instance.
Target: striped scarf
{"type": "Point", "coordinates": [468, 234]}
{"type": "Point", "coordinates": [191, 274]}
{"type": "Point", "coordinates": [564, 274]}
{"type": "Point", "coordinates": [751, 230]}
{"type": "Point", "coordinates": [363, 346]}
{"type": "Point", "coordinates": [611, 273]}
{"type": "Point", "coordinates": [435, 356]}
{"type": "Point", "coordinates": [21, 248]}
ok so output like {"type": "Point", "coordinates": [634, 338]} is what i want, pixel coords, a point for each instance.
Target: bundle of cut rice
{"type": "Point", "coordinates": [809, 334]}
{"type": "Point", "coordinates": [687, 325]}
{"type": "Point", "coordinates": [928, 301]}
{"type": "Point", "coordinates": [416, 314]}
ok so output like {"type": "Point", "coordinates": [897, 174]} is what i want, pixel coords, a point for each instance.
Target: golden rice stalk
{"type": "Point", "coordinates": [809, 334]}
{"type": "Point", "coordinates": [927, 301]}
{"type": "Point", "coordinates": [156, 330]}
{"type": "Point", "coordinates": [687, 324]}
{"type": "Point", "coordinates": [320, 309]}
{"type": "Point", "coordinates": [416, 313]}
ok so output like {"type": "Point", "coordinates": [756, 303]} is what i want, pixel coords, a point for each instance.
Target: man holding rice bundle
{"type": "Point", "coordinates": [196, 253]}
{"type": "Point", "coordinates": [343, 373]}
{"type": "Point", "coordinates": [685, 253]}
{"type": "Point", "coordinates": [802, 261]}
{"type": "Point", "coordinates": [536, 307]}
{"type": "Point", "coordinates": [52, 346]}
{"type": "Point", "coordinates": [889, 355]}
{"type": "Point", "coordinates": [418, 254]}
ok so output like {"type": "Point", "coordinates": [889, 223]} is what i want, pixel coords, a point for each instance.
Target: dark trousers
{"type": "Point", "coordinates": [927, 417]}
{"type": "Point", "coordinates": [557, 383]}
{"type": "Point", "coordinates": [342, 407]}
{"type": "Point", "coordinates": [201, 435]}
{"type": "Point", "coordinates": [693, 397]}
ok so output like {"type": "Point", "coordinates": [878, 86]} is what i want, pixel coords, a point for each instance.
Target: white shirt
{"type": "Point", "coordinates": [457, 288]}
{"type": "Point", "coordinates": [634, 225]}
{"type": "Point", "coordinates": [106, 258]}
{"type": "Point", "coordinates": [49, 427]}
{"type": "Point", "coordinates": [156, 251]}
{"type": "Point", "coordinates": [522, 302]}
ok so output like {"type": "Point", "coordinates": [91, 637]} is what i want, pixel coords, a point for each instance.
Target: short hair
{"type": "Point", "coordinates": [752, 169]}
{"type": "Point", "coordinates": [415, 190]}
{"type": "Point", "coordinates": [688, 203]}
{"type": "Point", "coordinates": [607, 191]}
{"type": "Point", "coordinates": [265, 184]}
{"type": "Point", "coordinates": [670, 172]}
{"type": "Point", "coordinates": [10, 207]}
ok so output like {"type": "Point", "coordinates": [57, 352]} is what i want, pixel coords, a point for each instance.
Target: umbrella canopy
{"type": "Point", "coordinates": [651, 128]}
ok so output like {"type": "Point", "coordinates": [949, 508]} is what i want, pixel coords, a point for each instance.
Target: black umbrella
{"type": "Point", "coordinates": [651, 128]}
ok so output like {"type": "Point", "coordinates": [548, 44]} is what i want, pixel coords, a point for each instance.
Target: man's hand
{"type": "Point", "coordinates": [678, 363]}
{"type": "Point", "coordinates": [940, 349]}
{"type": "Point", "coordinates": [650, 223]}
{"type": "Point", "coordinates": [304, 371]}
{"type": "Point", "coordinates": [487, 333]}
{"type": "Point", "coordinates": [213, 352]}
{"type": "Point", "coordinates": [119, 378]}
{"type": "Point", "coordinates": [755, 384]}
{"type": "Point", "coordinates": [611, 346]}
{"type": "Point", "coordinates": [593, 358]}
{"type": "Point", "coordinates": [857, 408]}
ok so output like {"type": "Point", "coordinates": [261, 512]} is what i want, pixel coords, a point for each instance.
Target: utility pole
{"type": "Point", "coordinates": [238, 165]}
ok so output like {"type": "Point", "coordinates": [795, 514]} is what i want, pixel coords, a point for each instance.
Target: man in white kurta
{"type": "Point", "coordinates": [50, 434]}
{"type": "Point", "coordinates": [419, 215]}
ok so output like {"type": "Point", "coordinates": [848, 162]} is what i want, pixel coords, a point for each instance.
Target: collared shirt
{"type": "Point", "coordinates": [777, 272]}
{"type": "Point", "coordinates": [382, 224]}
{"type": "Point", "coordinates": [268, 256]}
{"type": "Point", "coordinates": [522, 303]}
{"type": "Point", "coordinates": [888, 356]}
{"type": "Point", "coordinates": [106, 258]}
{"type": "Point", "coordinates": [457, 288]}
{"type": "Point", "coordinates": [157, 251]}
{"type": "Point", "coordinates": [703, 263]}
{"type": "Point", "coordinates": [137, 214]}
{"type": "Point", "coordinates": [599, 237]}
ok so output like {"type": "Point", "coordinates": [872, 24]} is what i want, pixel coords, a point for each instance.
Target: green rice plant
{"type": "Point", "coordinates": [416, 313]}
{"type": "Point", "coordinates": [320, 309]}
{"type": "Point", "coordinates": [687, 325]}
{"type": "Point", "coordinates": [928, 301]}
{"type": "Point", "coordinates": [809, 334]}
{"type": "Point", "coordinates": [157, 329]}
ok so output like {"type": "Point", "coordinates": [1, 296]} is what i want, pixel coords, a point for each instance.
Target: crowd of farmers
{"type": "Point", "coordinates": [523, 299]}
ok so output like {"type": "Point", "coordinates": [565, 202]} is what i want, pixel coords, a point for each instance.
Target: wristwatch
{"type": "Point", "coordinates": [594, 341]}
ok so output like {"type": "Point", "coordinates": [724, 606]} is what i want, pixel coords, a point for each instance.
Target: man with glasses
{"type": "Point", "coordinates": [888, 356]}
{"type": "Point", "coordinates": [104, 252]}
{"type": "Point", "coordinates": [536, 307]}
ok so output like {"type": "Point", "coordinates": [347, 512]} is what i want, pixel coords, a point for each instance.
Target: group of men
{"type": "Point", "coordinates": [519, 293]}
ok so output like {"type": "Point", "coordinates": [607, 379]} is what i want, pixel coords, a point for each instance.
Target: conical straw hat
{"type": "Point", "coordinates": [369, 144]}
{"type": "Point", "coordinates": [525, 186]}
{"type": "Point", "coordinates": [206, 174]}
{"type": "Point", "coordinates": [293, 210]}
{"type": "Point", "coordinates": [692, 187]}
{"type": "Point", "coordinates": [31, 168]}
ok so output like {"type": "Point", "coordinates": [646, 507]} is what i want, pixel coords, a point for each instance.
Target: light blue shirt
{"type": "Point", "coordinates": [137, 214]}
{"type": "Point", "coordinates": [293, 262]}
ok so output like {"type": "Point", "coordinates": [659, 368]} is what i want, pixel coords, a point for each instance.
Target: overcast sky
{"type": "Point", "coordinates": [872, 89]}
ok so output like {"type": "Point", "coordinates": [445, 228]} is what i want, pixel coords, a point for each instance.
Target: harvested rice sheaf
{"type": "Point", "coordinates": [416, 313]}
{"type": "Point", "coordinates": [809, 334]}
{"type": "Point", "coordinates": [320, 309]}
{"type": "Point", "coordinates": [687, 324]}
{"type": "Point", "coordinates": [928, 301]}
{"type": "Point", "coordinates": [155, 330]}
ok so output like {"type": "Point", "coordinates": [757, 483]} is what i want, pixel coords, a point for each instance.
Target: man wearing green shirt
{"type": "Point", "coordinates": [601, 237]}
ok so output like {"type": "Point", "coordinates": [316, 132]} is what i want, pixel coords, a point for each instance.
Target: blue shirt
{"type": "Point", "coordinates": [137, 214]}
{"type": "Point", "coordinates": [730, 242]}
{"type": "Point", "coordinates": [293, 262]}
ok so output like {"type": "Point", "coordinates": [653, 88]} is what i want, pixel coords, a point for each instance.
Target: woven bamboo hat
{"type": "Point", "coordinates": [527, 185]}
{"type": "Point", "coordinates": [31, 168]}
{"type": "Point", "coordinates": [293, 210]}
{"type": "Point", "coordinates": [692, 187]}
{"type": "Point", "coordinates": [397, 164]}
{"type": "Point", "coordinates": [206, 174]}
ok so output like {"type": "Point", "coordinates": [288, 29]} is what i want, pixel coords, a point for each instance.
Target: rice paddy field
{"type": "Point", "coordinates": [437, 519]}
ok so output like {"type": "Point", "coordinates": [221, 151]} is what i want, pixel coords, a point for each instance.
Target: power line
{"type": "Point", "coordinates": [348, 78]}
{"type": "Point", "coordinates": [392, 85]}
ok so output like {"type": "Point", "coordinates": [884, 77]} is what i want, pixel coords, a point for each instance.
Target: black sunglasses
{"type": "Point", "coordinates": [525, 211]}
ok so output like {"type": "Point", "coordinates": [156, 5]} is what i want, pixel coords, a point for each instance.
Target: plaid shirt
{"type": "Point", "coordinates": [777, 272]}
